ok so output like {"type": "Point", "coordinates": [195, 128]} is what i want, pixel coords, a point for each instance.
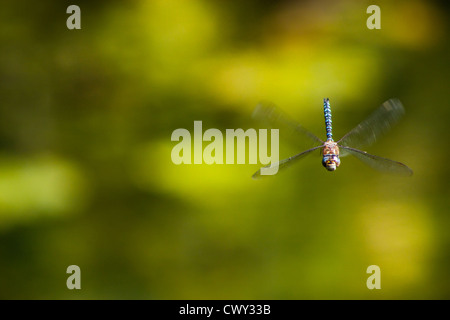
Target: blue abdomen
{"type": "Point", "coordinates": [327, 114]}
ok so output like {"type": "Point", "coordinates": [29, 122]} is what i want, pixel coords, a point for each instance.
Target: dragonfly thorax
{"type": "Point", "coordinates": [330, 152]}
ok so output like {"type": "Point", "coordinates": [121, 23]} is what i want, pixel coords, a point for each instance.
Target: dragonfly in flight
{"type": "Point", "coordinates": [364, 134]}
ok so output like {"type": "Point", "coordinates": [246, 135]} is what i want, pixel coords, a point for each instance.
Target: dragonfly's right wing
{"type": "Point", "coordinates": [270, 115]}
{"type": "Point", "coordinates": [379, 163]}
{"type": "Point", "coordinates": [286, 162]}
{"type": "Point", "coordinates": [377, 124]}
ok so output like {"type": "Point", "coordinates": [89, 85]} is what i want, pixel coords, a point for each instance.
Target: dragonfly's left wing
{"type": "Point", "coordinates": [377, 124]}
{"type": "Point", "coordinates": [285, 162]}
{"type": "Point", "coordinates": [379, 163]}
{"type": "Point", "coordinates": [271, 115]}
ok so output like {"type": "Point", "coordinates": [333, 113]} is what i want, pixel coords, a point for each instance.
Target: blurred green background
{"type": "Point", "coordinates": [86, 176]}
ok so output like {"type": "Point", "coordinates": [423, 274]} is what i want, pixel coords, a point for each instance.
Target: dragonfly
{"type": "Point", "coordinates": [363, 135]}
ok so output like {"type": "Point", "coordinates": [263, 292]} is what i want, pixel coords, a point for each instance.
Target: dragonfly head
{"type": "Point", "coordinates": [331, 162]}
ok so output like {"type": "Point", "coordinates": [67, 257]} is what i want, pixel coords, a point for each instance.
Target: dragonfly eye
{"type": "Point", "coordinates": [331, 164]}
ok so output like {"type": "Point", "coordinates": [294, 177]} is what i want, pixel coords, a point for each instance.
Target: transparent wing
{"type": "Point", "coordinates": [290, 130]}
{"type": "Point", "coordinates": [286, 162]}
{"type": "Point", "coordinates": [377, 124]}
{"type": "Point", "coordinates": [379, 163]}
